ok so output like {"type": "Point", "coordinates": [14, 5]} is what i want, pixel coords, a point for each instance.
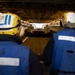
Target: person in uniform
{"type": "Point", "coordinates": [15, 58]}
{"type": "Point", "coordinates": [59, 52]}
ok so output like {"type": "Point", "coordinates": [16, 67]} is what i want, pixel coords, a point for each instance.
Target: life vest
{"type": "Point", "coordinates": [63, 61]}
{"type": "Point", "coordinates": [14, 59]}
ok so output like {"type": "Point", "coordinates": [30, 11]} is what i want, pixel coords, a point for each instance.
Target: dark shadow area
{"type": "Point", "coordinates": [39, 34]}
{"type": "Point", "coordinates": [45, 68]}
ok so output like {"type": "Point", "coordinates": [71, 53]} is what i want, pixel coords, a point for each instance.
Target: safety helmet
{"type": "Point", "coordinates": [9, 23]}
{"type": "Point", "coordinates": [68, 19]}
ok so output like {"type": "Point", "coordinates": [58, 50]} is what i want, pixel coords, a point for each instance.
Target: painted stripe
{"type": "Point", "coordinates": [9, 61]}
{"type": "Point", "coordinates": [67, 38]}
{"type": "Point", "coordinates": [5, 22]}
{"type": "Point", "coordinates": [9, 20]}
